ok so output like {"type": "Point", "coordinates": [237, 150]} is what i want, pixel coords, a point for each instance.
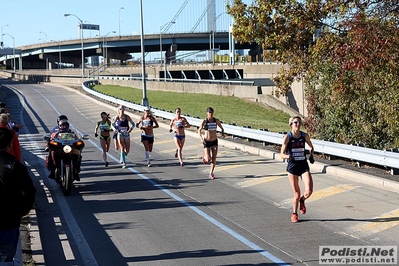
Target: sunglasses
{"type": "Point", "coordinates": [296, 122]}
{"type": "Point", "coordinates": [122, 109]}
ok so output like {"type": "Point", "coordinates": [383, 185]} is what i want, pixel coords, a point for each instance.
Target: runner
{"type": "Point", "coordinates": [148, 123]}
{"type": "Point", "coordinates": [210, 139]}
{"type": "Point", "coordinates": [121, 125]}
{"type": "Point", "coordinates": [293, 150]}
{"type": "Point", "coordinates": [178, 124]}
{"type": "Point", "coordinates": [105, 138]}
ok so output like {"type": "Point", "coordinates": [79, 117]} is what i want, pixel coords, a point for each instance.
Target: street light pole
{"type": "Point", "coordinates": [213, 36]}
{"type": "Point", "coordinates": [59, 53]}
{"type": "Point", "coordinates": [160, 46]}
{"type": "Point", "coordinates": [145, 99]}
{"type": "Point", "coordinates": [13, 48]}
{"type": "Point", "coordinates": [44, 34]}
{"type": "Point", "coordinates": [119, 20]}
{"type": "Point", "coordinates": [105, 48]}
{"type": "Point", "coordinates": [81, 41]}
{"type": "Point", "coordinates": [2, 34]}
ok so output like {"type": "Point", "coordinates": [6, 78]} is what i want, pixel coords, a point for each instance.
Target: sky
{"type": "Point", "coordinates": [32, 22]}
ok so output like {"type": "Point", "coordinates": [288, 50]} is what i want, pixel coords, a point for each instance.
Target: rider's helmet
{"type": "Point", "coordinates": [61, 117]}
{"type": "Point", "coordinates": [63, 125]}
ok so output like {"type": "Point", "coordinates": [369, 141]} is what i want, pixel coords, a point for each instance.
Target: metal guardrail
{"type": "Point", "coordinates": [361, 154]}
{"type": "Point", "coordinates": [207, 81]}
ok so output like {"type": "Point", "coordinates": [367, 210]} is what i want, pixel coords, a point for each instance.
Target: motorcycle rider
{"type": "Point", "coordinates": [59, 118]}
{"type": "Point", "coordinates": [63, 127]}
{"type": "Point", "coordinates": [55, 129]}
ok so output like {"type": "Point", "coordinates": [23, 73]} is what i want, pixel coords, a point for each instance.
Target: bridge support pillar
{"type": "Point", "coordinates": [170, 54]}
{"type": "Point", "coordinates": [117, 55]}
{"type": "Point", "coordinates": [256, 53]}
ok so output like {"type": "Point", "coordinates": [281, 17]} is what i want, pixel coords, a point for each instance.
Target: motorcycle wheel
{"type": "Point", "coordinates": [67, 180]}
{"type": "Point", "coordinates": [58, 175]}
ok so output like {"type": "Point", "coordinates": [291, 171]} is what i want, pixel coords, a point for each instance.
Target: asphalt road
{"type": "Point", "coordinates": [172, 215]}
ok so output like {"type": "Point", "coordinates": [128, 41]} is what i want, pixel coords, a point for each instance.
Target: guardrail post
{"type": "Point", "coordinates": [394, 171]}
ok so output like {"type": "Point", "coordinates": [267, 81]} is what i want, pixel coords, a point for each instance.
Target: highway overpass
{"type": "Point", "coordinates": [40, 56]}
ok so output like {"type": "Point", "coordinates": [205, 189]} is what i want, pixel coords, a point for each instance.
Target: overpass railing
{"type": "Point", "coordinates": [388, 159]}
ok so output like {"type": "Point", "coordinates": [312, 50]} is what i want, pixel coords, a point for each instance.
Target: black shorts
{"type": "Point", "coordinates": [298, 168]}
{"type": "Point", "coordinates": [210, 144]}
{"type": "Point", "coordinates": [146, 138]}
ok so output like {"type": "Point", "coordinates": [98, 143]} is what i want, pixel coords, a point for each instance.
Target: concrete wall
{"type": "Point", "coordinates": [295, 100]}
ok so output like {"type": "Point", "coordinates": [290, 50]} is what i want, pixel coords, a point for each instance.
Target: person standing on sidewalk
{"type": "Point", "coordinates": [15, 147]}
{"type": "Point", "coordinates": [148, 123]}
{"type": "Point", "coordinates": [210, 139]}
{"type": "Point", "coordinates": [17, 196]}
{"type": "Point", "coordinates": [105, 137]}
{"type": "Point", "coordinates": [178, 124]}
{"type": "Point", "coordinates": [293, 150]}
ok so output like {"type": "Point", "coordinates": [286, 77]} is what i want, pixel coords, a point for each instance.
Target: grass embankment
{"type": "Point", "coordinates": [227, 108]}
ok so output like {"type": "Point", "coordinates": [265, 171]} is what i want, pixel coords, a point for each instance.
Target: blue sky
{"type": "Point", "coordinates": [31, 22]}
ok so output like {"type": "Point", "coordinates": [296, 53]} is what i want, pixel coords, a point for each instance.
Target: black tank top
{"type": "Point", "coordinates": [296, 147]}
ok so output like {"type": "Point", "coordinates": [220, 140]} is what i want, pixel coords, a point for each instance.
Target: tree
{"type": "Point", "coordinates": [344, 51]}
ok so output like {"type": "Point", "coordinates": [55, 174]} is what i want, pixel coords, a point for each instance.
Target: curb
{"type": "Point", "coordinates": [352, 175]}
{"type": "Point", "coordinates": [36, 243]}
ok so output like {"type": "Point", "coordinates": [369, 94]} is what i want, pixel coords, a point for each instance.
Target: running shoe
{"type": "Point", "coordinates": [181, 164]}
{"type": "Point", "coordinates": [106, 164]}
{"type": "Point", "coordinates": [149, 164]}
{"type": "Point", "coordinates": [212, 176]}
{"type": "Point", "coordinates": [302, 207]}
{"type": "Point", "coordinates": [294, 218]}
{"type": "Point", "coordinates": [203, 159]}
{"type": "Point", "coordinates": [124, 166]}
{"type": "Point", "coordinates": [176, 154]}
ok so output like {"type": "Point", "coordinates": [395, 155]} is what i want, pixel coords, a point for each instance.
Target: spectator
{"type": "Point", "coordinates": [17, 195]}
{"type": "Point", "coordinates": [4, 106]}
{"type": "Point", "coordinates": [15, 147]}
{"type": "Point", "coordinates": [13, 124]}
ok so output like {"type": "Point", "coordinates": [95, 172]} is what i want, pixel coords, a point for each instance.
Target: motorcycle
{"type": "Point", "coordinates": [66, 154]}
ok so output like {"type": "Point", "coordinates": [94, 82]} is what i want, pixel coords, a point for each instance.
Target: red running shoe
{"type": "Point", "coordinates": [302, 207]}
{"type": "Point", "coordinates": [203, 159]}
{"type": "Point", "coordinates": [294, 218]}
{"type": "Point", "coordinates": [212, 176]}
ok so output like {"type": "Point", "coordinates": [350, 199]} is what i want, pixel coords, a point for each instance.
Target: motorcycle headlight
{"type": "Point", "coordinates": [67, 149]}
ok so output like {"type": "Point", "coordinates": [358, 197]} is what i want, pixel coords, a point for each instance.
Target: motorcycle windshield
{"type": "Point", "coordinates": [66, 136]}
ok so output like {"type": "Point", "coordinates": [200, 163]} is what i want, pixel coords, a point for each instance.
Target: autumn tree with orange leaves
{"type": "Point", "coordinates": [346, 52]}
